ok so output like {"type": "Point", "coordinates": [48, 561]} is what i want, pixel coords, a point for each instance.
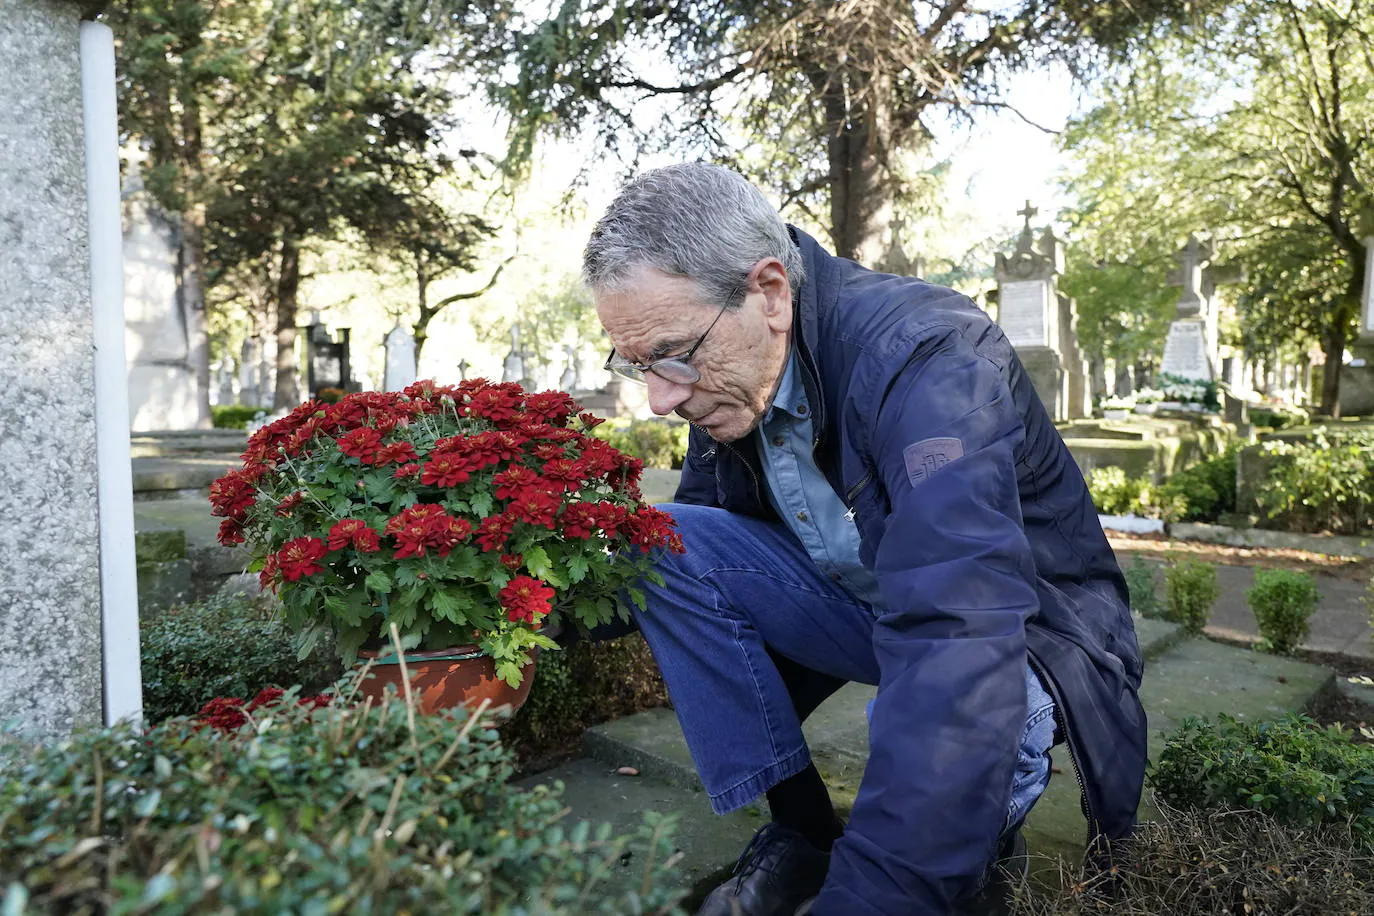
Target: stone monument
{"type": "Point", "coordinates": [400, 359]}
{"type": "Point", "coordinates": [68, 597]}
{"type": "Point", "coordinates": [1041, 323]}
{"type": "Point", "coordinates": [1190, 350]}
{"type": "Point", "coordinates": [157, 323]}
{"type": "Point", "coordinates": [568, 380]}
{"type": "Point", "coordinates": [327, 359]}
{"type": "Point", "coordinates": [1357, 376]}
{"type": "Point", "coordinates": [513, 369]}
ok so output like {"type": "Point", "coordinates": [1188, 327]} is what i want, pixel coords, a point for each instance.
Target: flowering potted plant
{"type": "Point", "coordinates": [1115, 408]}
{"type": "Point", "coordinates": [1147, 400]}
{"type": "Point", "coordinates": [469, 516]}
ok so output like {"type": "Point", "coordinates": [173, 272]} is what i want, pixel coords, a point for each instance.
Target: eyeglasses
{"type": "Point", "coordinates": [676, 369]}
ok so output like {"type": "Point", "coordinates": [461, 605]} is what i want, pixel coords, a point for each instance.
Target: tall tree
{"type": "Point", "coordinates": [302, 113]}
{"type": "Point", "coordinates": [1260, 128]}
{"type": "Point", "coordinates": [837, 88]}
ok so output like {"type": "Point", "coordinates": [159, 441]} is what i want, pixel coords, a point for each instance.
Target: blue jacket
{"type": "Point", "coordinates": [987, 549]}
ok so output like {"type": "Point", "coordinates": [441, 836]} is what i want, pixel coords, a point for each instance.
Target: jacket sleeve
{"type": "Point", "coordinates": [697, 486]}
{"type": "Point", "coordinates": [957, 575]}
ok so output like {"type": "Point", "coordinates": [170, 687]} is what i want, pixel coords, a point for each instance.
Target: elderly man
{"type": "Point", "coordinates": [873, 492]}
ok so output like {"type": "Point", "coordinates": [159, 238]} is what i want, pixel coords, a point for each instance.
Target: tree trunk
{"type": "Point", "coordinates": [421, 330]}
{"type": "Point", "coordinates": [193, 298]}
{"type": "Point", "coordinates": [193, 246]}
{"type": "Point", "coordinates": [1334, 341]}
{"type": "Point", "coordinates": [288, 392]}
{"type": "Point", "coordinates": [861, 184]}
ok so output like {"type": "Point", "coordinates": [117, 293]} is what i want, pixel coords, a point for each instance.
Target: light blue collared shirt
{"type": "Point", "coordinates": [802, 496]}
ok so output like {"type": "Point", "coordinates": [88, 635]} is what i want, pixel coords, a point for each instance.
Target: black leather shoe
{"type": "Point", "coordinates": [778, 871]}
{"type": "Point", "coordinates": [1006, 875]}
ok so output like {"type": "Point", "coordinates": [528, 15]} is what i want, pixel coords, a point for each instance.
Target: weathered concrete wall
{"type": "Point", "coordinates": [50, 648]}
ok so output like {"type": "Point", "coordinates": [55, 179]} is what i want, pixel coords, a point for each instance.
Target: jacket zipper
{"type": "Point", "coordinates": [758, 493]}
{"type": "Point", "coordinates": [854, 492]}
{"type": "Point", "coordinates": [1063, 724]}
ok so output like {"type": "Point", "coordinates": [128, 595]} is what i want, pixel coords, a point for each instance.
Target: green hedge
{"type": "Point", "coordinates": [344, 809]}
{"type": "Point", "coordinates": [1190, 587]}
{"type": "Point", "coordinates": [658, 443]}
{"type": "Point", "coordinates": [222, 647]}
{"type": "Point", "coordinates": [1282, 601]}
{"type": "Point", "coordinates": [1319, 485]}
{"type": "Point", "coordinates": [234, 416]}
{"type": "Point", "coordinates": [1291, 769]}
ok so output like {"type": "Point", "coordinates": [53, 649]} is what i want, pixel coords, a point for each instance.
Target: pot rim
{"type": "Point", "coordinates": [451, 654]}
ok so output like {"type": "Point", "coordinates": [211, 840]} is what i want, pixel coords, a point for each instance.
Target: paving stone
{"type": "Point", "coordinates": [1196, 677]}
{"type": "Point", "coordinates": [709, 845]}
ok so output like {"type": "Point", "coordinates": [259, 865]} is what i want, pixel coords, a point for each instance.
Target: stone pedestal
{"type": "Point", "coordinates": [1186, 351]}
{"type": "Point", "coordinates": [1045, 369]}
{"type": "Point", "coordinates": [50, 598]}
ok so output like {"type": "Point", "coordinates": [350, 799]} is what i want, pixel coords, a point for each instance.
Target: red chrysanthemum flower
{"type": "Point", "coordinates": [361, 443]}
{"type": "Point", "coordinates": [552, 406]}
{"type": "Point", "coordinates": [299, 557]}
{"type": "Point", "coordinates": [535, 506]}
{"type": "Point", "coordinates": [493, 532]}
{"type": "Point", "coordinates": [230, 532]}
{"type": "Point", "coordinates": [526, 599]}
{"type": "Point", "coordinates": [288, 503]}
{"type": "Point", "coordinates": [353, 532]}
{"type": "Point", "coordinates": [408, 470]}
{"type": "Point", "coordinates": [511, 481]}
{"type": "Point", "coordinates": [590, 420]}
{"type": "Point", "coordinates": [446, 470]}
{"type": "Point", "coordinates": [495, 403]}
{"type": "Point", "coordinates": [395, 453]}
{"type": "Point", "coordinates": [512, 561]}
{"type": "Point", "coordinates": [563, 474]}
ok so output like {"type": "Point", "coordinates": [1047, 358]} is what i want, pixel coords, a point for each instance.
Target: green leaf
{"type": "Point", "coordinates": [637, 596]}
{"type": "Point", "coordinates": [378, 581]}
{"type": "Point", "coordinates": [538, 562]}
{"type": "Point", "coordinates": [146, 805]}
{"type": "Point", "coordinates": [577, 567]}
{"type": "Point", "coordinates": [481, 503]}
{"type": "Point", "coordinates": [509, 672]}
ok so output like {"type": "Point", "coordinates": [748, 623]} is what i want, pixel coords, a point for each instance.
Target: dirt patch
{"type": "Point", "coordinates": [1160, 546]}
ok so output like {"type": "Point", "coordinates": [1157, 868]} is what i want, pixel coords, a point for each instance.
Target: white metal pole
{"type": "Point", "coordinates": [123, 682]}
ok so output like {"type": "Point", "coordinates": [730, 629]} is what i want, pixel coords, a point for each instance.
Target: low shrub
{"type": "Point", "coordinates": [1113, 493]}
{"type": "Point", "coordinates": [1203, 492]}
{"type": "Point", "coordinates": [658, 443]}
{"type": "Point", "coordinates": [1325, 484]}
{"type": "Point", "coordinates": [1191, 589]}
{"type": "Point", "coordinates": [580, 686]}
{"type": "Point", "coordinates": [1291, 769]}
{"type": "Point", "coordinates": [340, 809]}
{"type": "Point", "coordinates": [230, 646]}
{"type": "Point", "coordinates": [1277, 416]}
{"type": "Point", "coordinates": [1207, 862]}
{"type": "Point", "coordinates": [233, 416]}
{"type": "Point", "coordinates": [1140, 582]}
{"type": "Point", "coordinates": [1282, 600]}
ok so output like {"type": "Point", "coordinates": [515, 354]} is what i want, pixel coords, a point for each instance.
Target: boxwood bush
{"type": "Point", "coordinates": [1191, 589]}
{"type": "Point", "coordinates": [1283, 600]}
{"type": "Point", "coordinates": [344, 809]}
{"type": "Point", "coordinates": [1203, 492]}
{"type": "Point", "coordinates": [234, 416]}
{"type": "Point", "coordinates": [229, 646]}
{"type": "Point", "coordinates": [1291, 769]}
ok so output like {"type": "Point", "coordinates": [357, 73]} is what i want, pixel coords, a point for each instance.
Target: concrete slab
{"type": "Point", "coordinates": [1193, 677]}
{"type": "Point", "coordinates": [197, 472]}
{"type": "Point", "coordinates": [708, 845]}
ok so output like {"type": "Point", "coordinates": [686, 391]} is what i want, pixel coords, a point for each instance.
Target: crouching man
{"type": "Point", "coordinates": [873, 492]}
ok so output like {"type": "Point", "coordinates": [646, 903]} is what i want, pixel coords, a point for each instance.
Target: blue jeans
{"type": "Point", "coordinates": [746, 631]}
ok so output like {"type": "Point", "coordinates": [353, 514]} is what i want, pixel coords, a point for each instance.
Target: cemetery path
{"type": "Point", "coordinates": [1341, 623]}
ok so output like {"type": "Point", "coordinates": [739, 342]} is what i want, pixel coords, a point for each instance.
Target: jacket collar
{"type": "Point", "coordinates": [806, 319]}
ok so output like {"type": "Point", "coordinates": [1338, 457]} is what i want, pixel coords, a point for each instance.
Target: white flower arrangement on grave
{"type": "Point", "coordinates": [1148, 396]}
{"type": "Point", "coordinates": [1117, 403]}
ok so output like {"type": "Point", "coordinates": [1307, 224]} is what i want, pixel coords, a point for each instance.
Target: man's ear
{"type": "Point", "coordinates": [770, 278]}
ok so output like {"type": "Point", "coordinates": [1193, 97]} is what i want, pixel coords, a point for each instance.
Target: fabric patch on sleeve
{"type": "Point", "coordinates": [926, 457]}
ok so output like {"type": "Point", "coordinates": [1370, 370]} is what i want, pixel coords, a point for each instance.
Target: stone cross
{"type": "Point", "coordinates": [1191, 260]}
{"type": "Point", "coordinates": [1028, 212]}
{"type": "Point", "coordinates": [463, 367]}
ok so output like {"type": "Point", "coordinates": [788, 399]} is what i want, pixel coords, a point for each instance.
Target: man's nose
{"type": "Point", "coordinates": [665, 396]}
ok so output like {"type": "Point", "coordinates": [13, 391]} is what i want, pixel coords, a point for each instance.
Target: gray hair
{"type": "Point", "coordinates": [693, 220]}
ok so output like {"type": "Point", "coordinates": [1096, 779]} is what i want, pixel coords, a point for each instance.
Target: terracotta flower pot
{"type": "Point", "coordinates": [445, 678]}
